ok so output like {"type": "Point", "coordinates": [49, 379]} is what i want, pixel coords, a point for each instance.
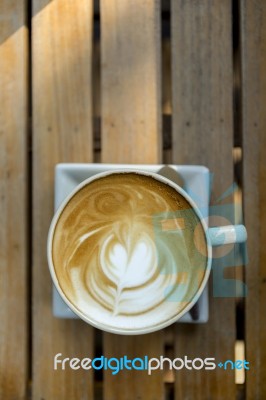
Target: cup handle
{"type": "Point", "coordinates": [227, 234]}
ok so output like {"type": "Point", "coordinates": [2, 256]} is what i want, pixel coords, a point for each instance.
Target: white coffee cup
{"type": "Point", "coordinates": [214, 237]}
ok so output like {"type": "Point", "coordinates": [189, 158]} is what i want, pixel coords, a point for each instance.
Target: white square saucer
{"type": "Point", "coordinates": [196, 184]}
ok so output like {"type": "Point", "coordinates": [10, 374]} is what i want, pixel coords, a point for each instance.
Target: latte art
{"type": "Point", "coordinates": [114, 260]}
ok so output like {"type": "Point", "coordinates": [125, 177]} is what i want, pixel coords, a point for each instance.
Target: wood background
{"type": "Point", "coordinates": [132, 81]}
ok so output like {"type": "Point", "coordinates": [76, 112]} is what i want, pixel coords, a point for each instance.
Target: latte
{"type": "Point", "coordinates": [127, 254]}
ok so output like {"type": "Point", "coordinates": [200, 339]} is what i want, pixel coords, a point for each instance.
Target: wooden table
{"type": "Point", "coordinates": [79, 84]}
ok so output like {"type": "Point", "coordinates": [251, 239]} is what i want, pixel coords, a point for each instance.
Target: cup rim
{"type": "Point", "coordinates": [124, 331]}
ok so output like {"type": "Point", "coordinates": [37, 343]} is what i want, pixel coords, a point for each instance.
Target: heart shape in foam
{"type": "Point", "coordinates": [131, 265]}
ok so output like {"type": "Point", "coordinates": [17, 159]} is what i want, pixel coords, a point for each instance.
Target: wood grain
{"type": "Point", "coordinates": [131, 133]}
{"type": "Point", "coordinates": [62, 132]}
{"type": "Point", "coordinates": [13, 200]}
{"type": "Point", "coordinates": [203, 134]}
{"type": "Point", "coordinates": [253, 51]}
{"type": "Point", "coordinates": [130, 68]}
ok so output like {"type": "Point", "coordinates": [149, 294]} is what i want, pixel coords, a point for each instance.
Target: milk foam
{"type": "Point", "coordinates": [109, 260]}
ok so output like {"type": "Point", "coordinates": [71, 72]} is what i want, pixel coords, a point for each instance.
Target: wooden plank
{"type": "Point", "coordinates": [131, 133]}
{"type": "Point", "coordinates": [13, 198]}
{"type": "Point", "coordinates": [253, 52]}
{"type": "Point", "coordinates": [62, 132]}
{"type": "Point", "coordinates": [203, 134]}
{"type": "Point", "coordinates": [130, 81]}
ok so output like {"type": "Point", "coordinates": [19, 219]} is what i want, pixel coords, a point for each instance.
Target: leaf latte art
{"type": "Point", "coordinates": [115, 258]}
